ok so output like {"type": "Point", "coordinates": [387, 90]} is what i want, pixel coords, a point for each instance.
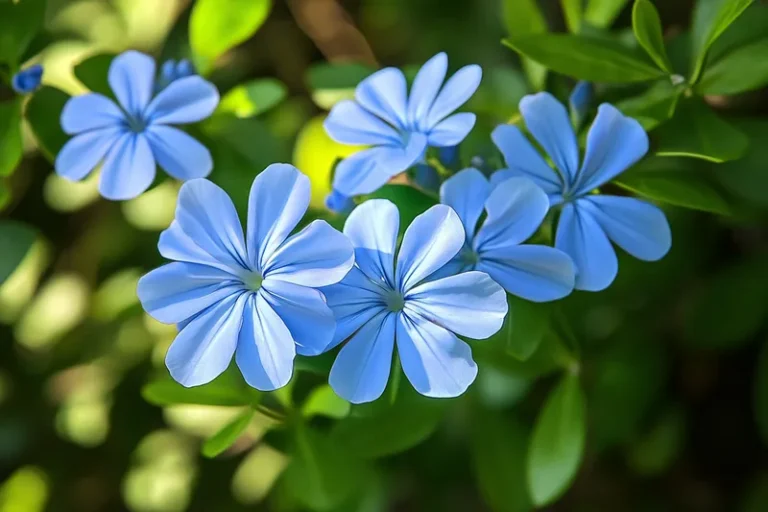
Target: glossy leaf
{"type": "Point", "coordinates": [10, 136]}
{"type": "Point", "coordinates": [573, 13]}
{"type": "Point", "coordinates": [746, 177]}
{"type": "Point", "coordinates": [654, 106]}
{"type": "Point", "coordinates": [647, 27]}
{"type": "Point", "coordinates": [227, 389]}
{"type": "Point", "coordinates": [710, 19]}
{"type": "Point", "coordinates": [228, 435]}
{"type": "Point", "coordinates": [322, 401]}
{"type": "Point", "coordinates": [253, 98]}
{"type": "Point", "coordinates": [524, 327]}
{"type": "Point", "coordinates": [523, 18]}
{"type": "Point", "coordinates": [602, 13]}
{"type": "Point", "coordinates": [15, 239]}
{"type": "Point", "coordinates": [42, 113]}
{"type": "Point", "coordinates": [744, 69]}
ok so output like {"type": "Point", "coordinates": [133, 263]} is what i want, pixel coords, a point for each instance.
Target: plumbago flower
{"type": "Point", "coordinates": [514, 209]}
{"type": "Point", "coordinates": [399, 127]}
{"type": "Point", "coordinates": [134, 136]}
{"type": "Point", "coordinates": [588, 222]}
{"type": "Point", "coordinates": [252, 296]}
{"type": "Point", "coordinates": [386, 300]}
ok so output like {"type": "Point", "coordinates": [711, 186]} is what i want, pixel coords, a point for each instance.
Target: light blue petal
{"type": "Point", "coordinates": [177, 245]}
{"type": "Point", "coordinates": [466, 192]}
{"type": "Point", "coordinates": [179, 154]}
{"type": "Point", "coordinates": [132, 78]}
{"type": "Point", "coordinates": [82, 153]}
{"type": "Point", "coordinates": [522, 158]}
{"type": "Point", "coordinates": [384, 94]}
{"type": "Point", "coordinates": [636, 226]}
{"type": "Point", "coordinates": [516, 209]}
{"type": "Point", "coordinates": [338, 203]}
{"type": "Point", "coordinates": [90, 112]}
{"type": "Point", "coordinates": [614, 143]}
{"type": "Point", "coordinates": [186, 100]}
{"type": "Point", "coordinates": [372, 228]}
{"type": "Point", "coordinates": [304, 312]}
{"type": "Point", "coordinates": [579, 100]}
{"type": "Point", "coordinates": [265, 348]}
{"type": "Point", "coordinates": [431, 241]}
{"type": "Point", "coordinates": [278, 200]}
{"type": "Point", "coordinates": [349, 123]}
{"type": "Point", "coordinates": [581, 237]}
{"type": "Point", "coordinates": [128, 169]}
{"type": "Point", "coordinates": [204, 347]}
{"type": "Point", "coordinates": [456, 266]}
{"type": "Point", "coordinates": [317, 256]}
{"type": "Point", "coordinates": [452, 130]}
{"type": "Point", "coordinates": [470, 304]}
{"type": "Point", "coordinates": [436, 362]}
{"type": "Point", "coordinates": [361, 370]}
{"type": "Point", "coordinates": [178, 291]}
{"type": "Point", "coordinates": [505, 174]}
{"type": "Point", "coordinates": [424, 90]}
{"type": "Point", "coordinates": [534, 272]}
{"type": "Point", "coordinates": [457, 90]}
{"type": "Point", "coordinates": [547, 120]}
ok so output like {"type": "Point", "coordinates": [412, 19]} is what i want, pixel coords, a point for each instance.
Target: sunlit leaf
{"type": "Point", "coordinates": [331, 83]}
{"type": "Point", "coordinates": [228, 435]}
{"type": "Point", "coordinates": [324, 402]}
{"type": "Point", "coordinates": [647, 27]}
{"type": "Point", "coordinates": [253, 98]}
{"type": "Point", "coordinates": [602, 13]}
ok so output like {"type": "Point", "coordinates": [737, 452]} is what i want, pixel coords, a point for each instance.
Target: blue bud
{"type": "Point", "coordinates": [27, 80]}
{"type": "Point", "coordinates": [427, 177]}
{"type": "Point", "coordinates": [579, 101]}
{"type": "Point", "coordinates": [449, 156]}
{"type": "Point", "coordinates": [339, 203]}
{"type": "Point", "coordinates": [167, 71]}
{"type": "Point", "coordinates": [184, 68]}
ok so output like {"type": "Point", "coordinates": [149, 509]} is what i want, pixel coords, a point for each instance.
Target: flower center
{"type": "Point", "coordinates": [135, 123]}
{"type": "Point", "coordinates": [394, 301]}
{"type": "Point", "coordinates": [469, 256]}
{"type": "Point", "coordinates": [253, 281]}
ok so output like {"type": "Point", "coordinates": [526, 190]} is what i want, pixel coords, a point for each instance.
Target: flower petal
{"type": "Point", "coordinates": [470, 304]}
{"type": "Point", "coordinates": [521, 157]}
{"type": "Point", "coordinates": [452, 130]}
{"type": "Point", "coordinates": [614, 143]}
{"type": "Point", "coordinates": [372, 228]}
{"type": "Point", "coordinates": [424, 90]}
{"type": "Point", "coordinates": [384, 94]}
{"type": "Point", "coordinates": [534, 272]}
{"type": "Point", "coordinates": [177, 245]}
{"type": "Point", "coordinates": [82, 153]}
{"type": "Point", "coordinates": [431, 241]}
{"type": "Point", "coordinates": [636, 226]}
{"type": "Point", "coordinates": [361, 370]}
{"type": "Point", "coordinates": [466, 192]}
{"type": "Point", "coordinates": [186, 100]}
{"type": "Point", "coordinates": [128, 169]}
{"type": "Point", "coordinates": [204, 347]}
{"type": "Point", "coordinates": [90, 112]}
{"type": "Point", "coordinates": [547, 120]}
{"type": "Point", "coordinates": [456, 91]}
{"type": "Point", "coordinates": [349, 123]}
{"type": "Point", "coordinates": [581, 237]}
{"type": "Point", "coordinates": [318, 255]}
{"type": "Point", "coordinates": [179, 154]}
{"type": "Point", "coordinates": [278, 200]}
{"type": "Point", "coordinates": [436, 362]}
{"type": "Point", "coordinates": [132, 78]}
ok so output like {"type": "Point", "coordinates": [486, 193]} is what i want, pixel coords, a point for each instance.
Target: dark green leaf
{"type": "Point", "coordinates": [573, 11]}
{"type": "Point", "coordinates": [647, 27]}
{"type": "Point", "coordinates": [654, 452]}
{"type": "Point", "coordinates": [409, 200]}
{"type": "Point", "coordinates": [523, 18]}
{"type": "Point", "coordinates": [253, 98]}
{"type": "Point", "coordinates": [586, 58]}
{"type": "Point", "coordinates": [19, 22]}
{"type": "Point", "coordinates": [10, 136]}
{"type": "Point", "coordinates": [756, 494]}
{"type": "Point", "coordinates": [747, 29]}
{"type": "Point", "coordinates": [43, 113]}
{"type": "Point", "coordinates": [331, 83]}
{"type": "Point", "coordinates": [226, 389]}
{"type": "Point", "coordinates": [602, 13]}
{"type": "Point", "coordinates": [93, 73]}
{"type": "Point", "coordinates": [550, 355]}
{"type": "Point", "coordinates": [15, 240]}
{"type": "Point", "coordinates": [524, 327]}
{"type": "Point", "coordinates": [744, 69]}
{"type": "Point", "coordinates": [710, 19]}
{"type": "Point", "coordinates": [323, 401]}
{"type": "Point", "coordinates": [760, 395]}
{"type": "Point", "coordinates": [557, 444]}
{"type": "Point", "coordinates": [653, 107]}
{"type": "Point", "coordinates": [227, 436]}
{"type": "Point", "coordinates": [746, 177]}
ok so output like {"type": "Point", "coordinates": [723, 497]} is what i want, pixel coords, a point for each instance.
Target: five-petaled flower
{"type": "Point", "coordinates": [399, 127]}
{"type": "Point", "coordinates": [588, 222]}
{"type": "Point", "coordinates": [255, 295]}
{"type": "Point", "coordinates": [386, 300]}
{"type": "Point", "coordinates": [134, 136]}
{"type": "Point", "coordinates": [514, 209]}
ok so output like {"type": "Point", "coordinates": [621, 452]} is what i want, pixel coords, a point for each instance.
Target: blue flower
{"type": "Point", "coordinates": [579, 101]}
{"type": "Point", "coordinates": [588, 222]}
{"type": "Point", "coordinates": [399, 127]}
{"type": "Point", "coordinates": [514, 209]}
{"type": "Point", "coordinates": [253, 296]}
{"type": "Point", "coordinates": [135, 136]}
{"type": "Point", "coordinates": [339, 203]}
{"type": "Point", "coordinates": [384, 300]}
{"type": "Point", "coordinates": [27, 80]}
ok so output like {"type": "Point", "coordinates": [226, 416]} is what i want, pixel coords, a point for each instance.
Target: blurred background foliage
{"type": "Point", "coordinates": [650, 396]}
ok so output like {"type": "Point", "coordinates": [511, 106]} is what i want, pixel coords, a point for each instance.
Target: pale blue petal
{"type": "Point", "coordinates": [128, 169]}
{"type": "Point", "coordinates": [452, 130]}
{"type": "Point", "coordinates": [304, 312]}
{"type": "Point", "coordinates": [424, 90]}
{"type": "Point", "coordinates": [466, 192]}
{"type": "Point", "coordinates": [636, 226]}
{"type": "Point", "coordinates": [178, 291]}
{"type": "Point", "coordinates": [384, 94]}
{"type": "Point", "coordinates": [132, 78]}
{"type": "Point", "coordinates": [436, 362]}
{"type": "Point", "coordinates": [456, 91]}
{"type": "Point", "coordinates": [581, 237]}
{"type": "Point", "coordinates": [456, 266]}
{"type": "Point", "coordinates": [505, 174]}
{"type": "Point", "coordinates": [534, 272]}
{"type": "Point", "coordinates": [547, 120]}
{"type": "Point", "coordinates": [349, 123]}
{"type": "Point", "coordinates": [90, 112]}
{"type": "Point", "coordinates": [82, 153]}
{"type": "Point", "coordinates": [318, 255]}
{"type": "Point", "coordinates": [338, 203]}
{"type": "Point", "coordinates": [470, 304]}
{"type": "Point", "coordinates": [278, 200]}
{"type": "Point", "coordinates": [431, 241]}
{"type": "Point", "coordinates": [372, 228]}
{"type": "Point", "coordinates": [265, 348]}
{"type": "Point", "coordinates": [361, 370]}
{"type": "Point", "coordinates": [521, 157]}
{"type": "Point", "coordinates": [177, 245]}
{"type": "Point", "coordinates": [186, 100]}
{"type": "Point", "coordinates": [179, 154]}
{"type": "Point", "coordinates": [204, 347]}
{"type": "Point", "coordinates": [614, 143]}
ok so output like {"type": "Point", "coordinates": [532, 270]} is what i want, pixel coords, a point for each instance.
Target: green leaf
{"type": "Point", "coordinates": [602, 13]}
{"type": "Point", "coordinates": [647, 27]}
{"type": "Point", "coordinates": [744, 69]}
{"type": "Point", "coordinates": [656, 451]}
{"type": "Point", "coordinates": [331, 83]}
{"type": "Point", "coordinates": [499, 94]}
{"type": "Point", "coordinates": [43, 112]}
{"type": "Point", "coordinates": [409, 200]}
{"type": "Point", "coordinates": [586, 58]}
{"type": "Point", "coordinates": [746, 177]}
{"type": "Point", "coordinates": [10, 136]}
{"type": "Point", "coordinates": [93, 72]}
{"type": "Point", "coordinates": [323, 401]}
{"type": "Point", "coordinates": [653, 107]}
{"type": "Point", "coordinates": [710, 19]}
{"type": "Point", "coordinates": [19, 22]}
{"type": "Point", "coordinates": [760, 393]}
{"type": "Point", "coordinates": [523, 18]}
{"type": "Point", "coordinates": [227, 436]}
{"type": "Point", "coordinates": [15, 239]}
{"type": "Point", "coordinates": [253, 98]}
{"type": "Point", "coordinates": [216, 26]}
{"type": "Point", "coordinates": [573, 11]}
{"type": "Point", "coordinates": [697, 132]}
{"type": "Point", "coordinates": [226, 389]}
{"type": "Point", "coordinates": [557, 444]}
{"type": "Point", "coordinates": [524, 327]}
